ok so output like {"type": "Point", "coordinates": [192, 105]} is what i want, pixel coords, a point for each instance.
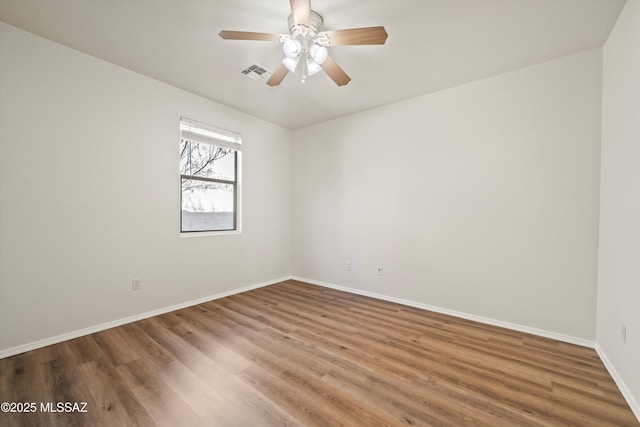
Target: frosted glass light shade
{"type": "Point", "coordinates": [291, 63]}
{"type": "Point", "coordinates": [292, 48]}
{"type": "Point", "coordinates": [313, 67]}
{"type": "Point", "coordinates": [318, 53]}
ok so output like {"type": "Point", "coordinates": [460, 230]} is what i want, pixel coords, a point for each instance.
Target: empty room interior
{"type": "Point", "coordinates": [265, 213]}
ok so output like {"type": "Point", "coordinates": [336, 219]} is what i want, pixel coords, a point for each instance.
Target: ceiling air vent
{"type": "Point", "coordinates": [256, 72]}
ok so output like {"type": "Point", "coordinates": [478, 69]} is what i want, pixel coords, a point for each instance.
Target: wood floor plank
{"type": "Point", "coordinates": [62, 384]}
{"type": "Point", "coordinates": [146, 347]}
{"type": "Point", "coordinates": [115, 346]}
{"type": "Point", "coordinates": [208, 402]}
{"type": "Point", "coordinates": [295, 354]}
{"type": "Point", "coordinates": [21, 380]}
{"type": "Point", "coordinates": [173, 344]}
{"type": "Point", "coordinates": [83, 349]}
{"type": "Point", "coordinates": [111, 401]}
{"type": "Point", "coordinates": [163, 404]}
{"type": "Point", "coordinates": [214, 348]}
{"type": "Point", "coordinates": [245, 398]}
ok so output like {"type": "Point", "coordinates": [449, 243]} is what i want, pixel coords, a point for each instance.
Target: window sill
{"type": "Point", "coordinates": [209, 233]}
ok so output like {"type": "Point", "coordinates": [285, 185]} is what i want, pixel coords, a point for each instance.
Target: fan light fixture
{"type": "Point", "coordinates": [313, 57]}
{"type": "Point", "coordinates": [306, 46]}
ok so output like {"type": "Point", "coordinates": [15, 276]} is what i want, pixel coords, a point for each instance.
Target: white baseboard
{"type": "Point", "coordinates": [633, 404]}
{"type": "Point", "coordinates": [539, 332]}
{"type": "Point", "coordinates": [108, 325]}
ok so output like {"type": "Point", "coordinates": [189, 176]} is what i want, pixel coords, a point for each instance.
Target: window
{"type": "Point", "coordinates": [209, 171]}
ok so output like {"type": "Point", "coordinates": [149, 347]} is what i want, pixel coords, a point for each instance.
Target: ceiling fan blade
{"type": "Point", "coordinates": [301, 10]}
{"type": "Point", "coordinates": [278, 75]}
{"type": "Point", "coordinates": [248, 35]}
{"type": "Point", "coordinates": [356, 36]}
{"type": "Point", "coordinates": [334, 71]}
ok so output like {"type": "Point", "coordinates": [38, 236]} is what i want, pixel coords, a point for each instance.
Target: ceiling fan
{"type": "Point", "coordinates": [306, 43]}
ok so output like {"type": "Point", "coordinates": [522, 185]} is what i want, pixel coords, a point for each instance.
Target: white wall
{"type": "Point", "coordinates": [89, 194]}
{"type": "Point", "coordinates": [481, 199]}
{"type": "Point", "coordinates": [619, 259]}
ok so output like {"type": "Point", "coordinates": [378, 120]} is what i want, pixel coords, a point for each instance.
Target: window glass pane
{"type": "Point", "coordinates": [206, 160]}
{"type": "Point", "coordinates": [207, 205]}
{"type": "Point", "coordinates": [185, 147]}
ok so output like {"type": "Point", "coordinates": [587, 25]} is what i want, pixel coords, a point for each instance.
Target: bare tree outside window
{"type": "Point", "coordinates": [199, 160]}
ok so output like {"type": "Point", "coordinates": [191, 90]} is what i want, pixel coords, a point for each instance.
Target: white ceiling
{"type": "Point", "coordinates": [432, 45]}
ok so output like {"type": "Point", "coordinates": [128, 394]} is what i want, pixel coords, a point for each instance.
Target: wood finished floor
{"type": "Point", "coordinates": [303, 355]}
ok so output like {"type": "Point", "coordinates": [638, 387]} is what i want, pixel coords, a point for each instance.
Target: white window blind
{"type": "Point", "coordinates": [203, 133]}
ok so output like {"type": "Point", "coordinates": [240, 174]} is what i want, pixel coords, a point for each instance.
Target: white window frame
{"type": "Point", "coordinates": [204, 133]}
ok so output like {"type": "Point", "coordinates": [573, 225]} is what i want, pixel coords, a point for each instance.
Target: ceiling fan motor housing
{"type": "Point", "coordinates": [298, 32]}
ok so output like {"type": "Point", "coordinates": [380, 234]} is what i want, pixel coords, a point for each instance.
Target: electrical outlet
{"type": "Point", "coordinates": [379, 270]}
{"type": "Point", "coordinates": [623, 333]}
{"type": "Point", "coordinates": [349, 266]}
{"type": "Point", "coordinates": [135, 285]}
